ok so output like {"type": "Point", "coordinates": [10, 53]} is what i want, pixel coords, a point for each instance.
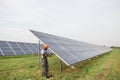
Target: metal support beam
{"type": "Point", "coordinates": [60, 66]}
{"type": "Point", "coordinates": [39, 55]}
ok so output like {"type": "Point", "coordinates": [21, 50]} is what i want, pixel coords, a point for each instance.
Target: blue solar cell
{"type": "Point", "coordinates": [1, 53]}
{"type": "Point", "coordinates": [35, 47]}
{"type": "Point", "coordinates": [16, 48]}
{"type": "Point", "coordinates": [31, 47]}
{"type": "Point", "coordinates": [7, 51]}
{"type": "Point", "coordinates": [5, 48]}
{"type": "Point", "coordinates": [25, 48]}
{"type": "Point", "coordinates": [3, 44]}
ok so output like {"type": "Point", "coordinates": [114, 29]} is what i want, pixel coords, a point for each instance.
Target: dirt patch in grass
{"type": "Point", "coordinates": [21, 70]}
{"type": "Point", "coordinates": [104, 71]}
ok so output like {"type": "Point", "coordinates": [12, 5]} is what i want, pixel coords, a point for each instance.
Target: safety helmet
{"type": "Point", "coordinates": [46, 46]}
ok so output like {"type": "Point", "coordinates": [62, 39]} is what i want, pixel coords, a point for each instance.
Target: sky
{"type": "Point", "coordinates": [92, 21]}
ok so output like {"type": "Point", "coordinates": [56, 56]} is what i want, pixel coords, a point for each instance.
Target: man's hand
{"type": "Point", "coordinates": [50, 55]}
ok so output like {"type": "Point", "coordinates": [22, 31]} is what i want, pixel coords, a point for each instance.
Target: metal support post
{"type": "Point", "coordinates": [60, 66]}
{"type": "Point", "coordinates": [39, 55]}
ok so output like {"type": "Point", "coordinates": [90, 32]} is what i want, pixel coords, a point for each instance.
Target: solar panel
{"type": "Point", "coordinates": [36, 47]}
{"type": "Point", "coordinates": [68, 50]}
{"type": "Point", "coordinates": [25, 48]}
{"type": "Point", "coordinates": [33, 49]}
{"type": "Point", "coordinates": [1, 52]}
{"type": "Point", "coordinates": [16, 48]}
{"type": "Point", "coordinates": [5, 48]}
{"type": "Point", "coordinates": [10, 48]}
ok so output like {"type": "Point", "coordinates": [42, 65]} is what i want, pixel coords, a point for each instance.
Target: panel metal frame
{"type": "Point", "coordinates": [2, 52]}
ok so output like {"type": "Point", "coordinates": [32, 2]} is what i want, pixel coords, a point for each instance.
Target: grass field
{"type": "Point", "coordinates": [25, 67]}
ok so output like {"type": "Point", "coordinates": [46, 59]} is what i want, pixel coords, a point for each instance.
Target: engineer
{"type": "Point", "coordinates": [45, 67]}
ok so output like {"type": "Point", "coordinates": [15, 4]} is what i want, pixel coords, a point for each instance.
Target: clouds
{"type": "Point", "coordinates": [17, 34]}
{"type": "Point", "coordinates": [89, 20]}
{"type": "Point", "coordinates": [37, 12]}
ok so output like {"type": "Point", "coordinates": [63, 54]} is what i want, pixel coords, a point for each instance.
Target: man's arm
{"type": "Point", "coordinates": [49, 55]}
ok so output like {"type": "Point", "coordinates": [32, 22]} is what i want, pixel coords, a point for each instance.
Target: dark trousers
{"type": "Point", "coordinates": [45, 67]}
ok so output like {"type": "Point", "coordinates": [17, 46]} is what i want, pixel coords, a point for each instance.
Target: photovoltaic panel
{"type": "Point", "coordinates": [68, 50]}
{"type": "Point", "coordinates": [5, 48]}
{"type": "Point", "coordinates": [25, 48]}
{"type": "Point", "coordinates": [3, 44]}
{"type": "Point", "coordinates": [16, 48]}
{"type": "Point", "coordinates": [1, 52]}
{"type": "Point", "coordinates": [7, 51]}
{"type": "Point", "coordinates": [33, 49]}
{"type": "Point", "coordinates": [36, 47]}
{"type": "Point", "coordinates": [9, 48]}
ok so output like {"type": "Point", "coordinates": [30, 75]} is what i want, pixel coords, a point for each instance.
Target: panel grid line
{"type": "Point", "coordinates": [2, 52]}
{"type": "Point", "coordinates": [20, 48]}
{"type": "Point", "coordinates": [11, 48]}
{"type": "Point", "coordinates": [63, 48]}
{"type": "Point", "coordinates": [28, 47]}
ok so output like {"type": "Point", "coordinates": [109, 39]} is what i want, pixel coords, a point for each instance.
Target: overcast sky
{"type": "Point", "coordinates": [93, 21]}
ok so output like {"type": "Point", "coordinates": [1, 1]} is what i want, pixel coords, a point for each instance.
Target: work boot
{"type": "Point", "coordinates": [47, 77]}
{"type": "Point", "coordinates": [51, 75]}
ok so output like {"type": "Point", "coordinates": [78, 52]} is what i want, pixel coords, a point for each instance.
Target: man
{"type": "Point", "coordinates": [45, 71]}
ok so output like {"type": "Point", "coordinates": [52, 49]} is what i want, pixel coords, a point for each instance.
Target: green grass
{"type": "Point", "coordinates": [25, 67]}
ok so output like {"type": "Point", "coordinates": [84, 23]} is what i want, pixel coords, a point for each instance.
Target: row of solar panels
{"type": "Point", "coordinates": [18, 48]}
{"type": "Point", "coordinates": [70, 51]}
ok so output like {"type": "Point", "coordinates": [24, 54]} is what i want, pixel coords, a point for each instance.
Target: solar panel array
{"type": "Point", "coordinates": [17, 48]}
{"type": "Point", "coordinates": [68, 50]}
